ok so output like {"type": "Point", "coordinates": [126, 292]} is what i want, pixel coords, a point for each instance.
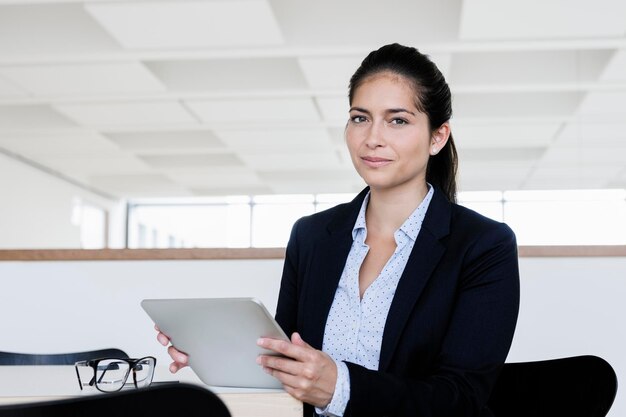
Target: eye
{"type": "Point", "coordinates": [399, 122]}
{"type": "Point", "coordinates": [358, 119]}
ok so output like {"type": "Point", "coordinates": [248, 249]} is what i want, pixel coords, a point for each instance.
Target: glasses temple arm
{"type": "Point", "coordinates": [80, 383]}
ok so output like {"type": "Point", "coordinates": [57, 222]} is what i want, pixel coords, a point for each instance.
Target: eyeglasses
{"type": "Point", "coordinates": [110, 374]}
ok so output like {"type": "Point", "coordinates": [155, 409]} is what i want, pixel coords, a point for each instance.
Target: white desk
{"type": "Point", "coordinates": [20, 384]}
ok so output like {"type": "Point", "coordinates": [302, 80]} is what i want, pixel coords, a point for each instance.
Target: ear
{"type": "Point", "coordinates": [439, 138]}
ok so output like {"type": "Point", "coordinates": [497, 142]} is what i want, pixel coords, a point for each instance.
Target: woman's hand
{"type": "Point", "coordinates": [307, 374]}
{"type": "Point", "coordinates": [180, 359]}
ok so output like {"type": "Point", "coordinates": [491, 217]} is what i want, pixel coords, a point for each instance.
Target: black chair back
{"type": "Point", "coordinates": [581, 386]}
{"type": "Point", "coordinates": [13, 358]}
{"type": "Point", "coordinates": [166, 400]}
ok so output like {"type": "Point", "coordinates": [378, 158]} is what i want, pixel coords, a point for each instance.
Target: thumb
{"type": "Point", "coordinates": [296, 339]}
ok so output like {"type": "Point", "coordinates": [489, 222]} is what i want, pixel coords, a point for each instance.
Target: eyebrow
{"type": "Point", "coordinates": [398, 110]}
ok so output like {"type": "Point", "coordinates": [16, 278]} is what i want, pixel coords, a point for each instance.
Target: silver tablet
{"type": "Point", "coordinates": [219, 335]}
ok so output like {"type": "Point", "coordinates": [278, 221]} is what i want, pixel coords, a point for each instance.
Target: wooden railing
{"type": "Point", "coordinates": [254, 253]}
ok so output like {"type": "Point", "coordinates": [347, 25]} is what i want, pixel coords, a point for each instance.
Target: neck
{"type": "Point", "coordinates": [388, 209]}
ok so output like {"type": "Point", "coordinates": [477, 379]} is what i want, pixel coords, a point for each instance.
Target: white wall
{"type": "Point", "coordinates": [570, 306]}
{"type": "Point", "coordinates": [36, 209]}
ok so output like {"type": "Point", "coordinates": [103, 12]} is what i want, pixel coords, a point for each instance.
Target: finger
{"type": "Point", "coordinates": [296, 339]}
{"type": "Point", "coordinates": [175, 367]}
{"type": "Point", "coordinates": [163, 339]}
{"type": "Point", "coordinates": [281, 364]}
{"type": "Point", "coordinates": [288, 380]}
{"type": "Point", "coordinates": [178, 356]}
{"type": "Point", "coordinates": [285, 348]}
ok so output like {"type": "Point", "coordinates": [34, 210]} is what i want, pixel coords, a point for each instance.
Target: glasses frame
{"type": "Point", "coordinates": [133, 363]}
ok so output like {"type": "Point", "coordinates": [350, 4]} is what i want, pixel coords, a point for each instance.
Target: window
{"type": "Point", "coordinates": [589, 217]}
{"type": "Point", "coordinates": [92, 222]}
{"type": "Point", "coordinates": [487, 203]}
{"type": "Point", "coordinates": [273, 217]}
{"type": "Point", "coordinates": [574, 217]}
{"type": "Point", "coordinates": [190, 224]}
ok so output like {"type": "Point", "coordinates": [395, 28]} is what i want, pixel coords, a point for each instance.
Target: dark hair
{"type": "Point", "coordinates": [432, 98]}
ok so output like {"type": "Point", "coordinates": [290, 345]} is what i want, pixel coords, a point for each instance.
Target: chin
{"type": "Point", "coordinates": [379, 184]}
{"type": "Point", "coordinates": [387, 183]}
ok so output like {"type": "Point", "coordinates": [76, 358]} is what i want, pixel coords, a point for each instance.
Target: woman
{"type": "Point", "coordinates": [399, 303]}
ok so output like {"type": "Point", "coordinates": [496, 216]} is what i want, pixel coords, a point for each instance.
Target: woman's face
{"type": "Point", "coordinates": [389, 139]}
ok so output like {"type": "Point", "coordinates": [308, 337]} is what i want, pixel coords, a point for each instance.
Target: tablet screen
{"type": "Point", "coordinates": [219, 335]}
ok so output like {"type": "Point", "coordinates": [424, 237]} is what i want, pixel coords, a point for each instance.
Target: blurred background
{"type": "Point", "coordinates": [217, 123]}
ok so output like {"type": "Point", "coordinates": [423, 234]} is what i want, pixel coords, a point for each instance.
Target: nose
{"type": "Point", "coordinates": [375, 135]}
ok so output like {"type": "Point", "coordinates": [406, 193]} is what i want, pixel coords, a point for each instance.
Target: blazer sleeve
{"type": "Point", "coordinates": [287, 308]}
{"type": "Point", "coordinates": [474, 347]}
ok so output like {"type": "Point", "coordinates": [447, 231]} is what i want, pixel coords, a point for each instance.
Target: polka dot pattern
{"type": "Point", "coordinates": [354, 329]}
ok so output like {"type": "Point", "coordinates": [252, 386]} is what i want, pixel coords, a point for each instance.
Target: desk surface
{"type": "Point", "coordinates": [38, 383]}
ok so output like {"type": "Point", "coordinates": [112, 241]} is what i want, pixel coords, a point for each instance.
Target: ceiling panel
{"type": "Point", "coordinates": [337, 136]}
{"type": "Point", "coordinates": [501, 154]}
{"type": "Point", "coordinates": [241, 74]}
{"type": "Point", "coordinates": [527, 67]}
{"type": "Point", "coordinates": [32, 117]}
{"type": "Point", "coordinates": [188, 24]}
{"type": "Point", "coordinates": [492, 174]}
{"type": "Point", "coordinates": [332, 73]}
{"type": "Point", "coordinates": [46, 144]}
{"type": "Point", "coordinates": [443, 61]}
{"type": "Point", "coordinates": [515, 105]}
{"type": "Point", "coordinates": [504, 135]}
{"type": "Point", "coordinates": [510, 170]}
{"type": "Point", "coordinates": [622, 176]}
{"type": "Point", "coordinates": [603, 103]}
{"type": "Point", "coordinates": [492, 179]}
{"type": "Point", "coordinates": [192, 160]}
{"type": "Point", "coordinates": [106, 78]}
{"type": "Point", "coordinates": [166, 140]}
{"type": "Point", "coordinates": [291, 161]}
{"type": "Point", "coordinates": [127, 114]}
{"type": "Point", "coordinates": [255, 110]}
{"type": "Point", "coordinates": [616, 184]}
{"type": "Point", "coordinates": [343, 156]}
{"type": "Point", "coordinates": [316, 182]}
{"type": "Point", "coordinates": [592, 135]}
{"type": "Point", "coordinates": [538, 19]}
{"type": "Point", "coordinates": [215, 189]}
{"type": "Point", "coordinates": [367, 22]}
{"type": "Point", "coordinates": [313, 186]}
{"type": "Point", "coordinates": [216, 177]}
{"type": "Point", "coordinates": [580, 157]}
{"type": "Point", "coordinates": [554, 183]}
{"type": "Point", "coordinates": [616, 68]}
{"type": "Point", "coordinates": [10, 90]}
{"type": "Point", "coordinates": [139, 185]}
{"type": "Point", "coordinates": [276, 140]}
{"type": "Point", "coordinates": [51, 29]}
{"type": "Point", "coordinates": [491, 183]}
{"type": "Point", "coordinates": [103, 163]}
{"type": "Point", "coordinates": [334, 109]}
{"type": "Point", "coordinates": [596, 172]}
{"type": "Point", "coordinates": [308, 175]}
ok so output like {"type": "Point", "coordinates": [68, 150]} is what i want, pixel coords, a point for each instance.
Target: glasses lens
{"type": "Point", "coordinates": [111, 374]}
{"type": "Point", "coordinates": [143, 372]}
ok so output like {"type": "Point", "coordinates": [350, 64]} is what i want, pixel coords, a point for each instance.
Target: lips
{"type": "Point", "coordinates": [375, 161]}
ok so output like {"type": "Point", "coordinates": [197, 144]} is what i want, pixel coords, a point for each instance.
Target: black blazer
{"type": "Point", "coordinates": [451, 321]}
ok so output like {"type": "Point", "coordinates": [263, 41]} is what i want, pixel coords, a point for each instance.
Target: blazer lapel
{"type": "Point", "coordinates": [329, 259]}
{"type": "Point", "coordinates": [424, 257]}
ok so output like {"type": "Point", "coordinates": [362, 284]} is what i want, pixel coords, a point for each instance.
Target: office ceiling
{"type": "Point", "coordinates": [186, 98]}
